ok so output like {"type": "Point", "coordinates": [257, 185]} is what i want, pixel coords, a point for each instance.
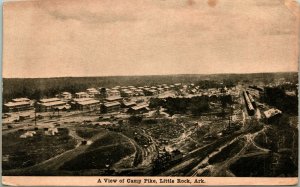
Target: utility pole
{"type": "Point", "coordinates": [35, 106]}
{"type": "Point", "coordinates": [34, 117]}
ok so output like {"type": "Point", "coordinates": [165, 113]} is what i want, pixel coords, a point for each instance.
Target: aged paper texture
{"type": "Point", "coordinates": [150, 92]}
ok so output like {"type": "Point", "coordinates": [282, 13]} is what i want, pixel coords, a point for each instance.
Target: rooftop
{"type": "Point", "coordinates": [128, 103]}
{"type": "Point", "coordinates": [54, 103]}
{"type": "Point", "coordinates": [82, 99]}
{"type": "Point", "coordinates": [113, 98]}
{"type": "Point", "coordinates": [89, 102]}
{"type": "Point", "coordinates": [110, 104]}
{"type": "Point", "coordinates": [114, 91]}
{"type": "Point", "coordinates": [12, 104]}
{"type": "Point", "coordinates": [81, 93]}
{"type": "Point", "coordinates": [20, 99]}
{"type": "Point", "coordinates": [66, 93]}
{"type": "Point", "coordinates": [49, 100]}
{"type": "Point", "coordinates": [272, 112]}
{"type": "Point", "coordinates": [141, 106]}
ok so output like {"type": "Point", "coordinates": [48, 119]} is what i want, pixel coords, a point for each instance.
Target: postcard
{"type": "Point", "coordinates": [150, 92]}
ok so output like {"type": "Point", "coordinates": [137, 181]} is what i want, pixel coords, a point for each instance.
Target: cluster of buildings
{"type": "Point", "coordinates": [103, 99]}
{"type": "Point", "coordinates": [107, 99]}
{"type": "Point", "coordinates": [18, 104]}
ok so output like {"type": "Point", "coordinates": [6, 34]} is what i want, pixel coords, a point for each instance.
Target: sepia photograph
{"type": "Point", "coordinates": [150, 92]}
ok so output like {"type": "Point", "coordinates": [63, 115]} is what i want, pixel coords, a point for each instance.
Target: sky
{"type": "Point", "coordinates": [60, 38]}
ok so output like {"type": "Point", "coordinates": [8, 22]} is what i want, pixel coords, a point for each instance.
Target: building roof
{"type": "Point", "coordinates": [114, 91]}
{"type": "Point", "coordinates": [104, 123]}
{"type": "Point", "coordinates": [66, 93]}
{"type": "Point", "coordinates": [54, 103]}
{"type": "Point", "coordinates": [93, 92]}
{"type": "Point", "coordinates": [141, 106]}
{"type": "Point", "coordinates": [113, 98]}
{"type": "Point", "coordinates": [13, 104]}
{"type": "Point", "coordinates": [49, 100]}
{"type": "Point", "coordinates": [127, 91]}
{"type": "Point", "coordinates": [20, 99]}
{"type": "Point", "coordinates": [64, 107]}
{"type": "Point", "coordinates": [129, 103]}
{"type": "Point", "coordinates": [91, 89]}
{"type": "Point", "coordinates": [153, 91]}
{"type": "Point", "coordinates": [272, 112]}
{"type": "Point", "coordinates": [82, 99]}
{"type": "Point", "coordinates": [110, 104]}
{"type": "Point", "coordinates": [81, 93]}
{"type": "Point", "coordinates": [89, 102]}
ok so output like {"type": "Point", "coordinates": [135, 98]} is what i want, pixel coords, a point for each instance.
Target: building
{"type": "Point", "coordinates": [166, 88]}
{"type": "Point", "coordinates": [272, 115]}
{"type": "Point", "coordinates": [138, 109]}
{"type": "Point", "coordinates": [113, 93]}
{"type": "Point", "coordinates": [160, 90]}
{"type": "Point", "coordinates": [18, 104]}
{"type": "Point", "coordinates": [151, 92]}
{"type": "Point", "coordinates": [51, 104]}
{"type": "Point", "coordinates": [86, 104]}
{"type": "Point", "coordinates": [249, 105]}
{"type": "Point", "coordinates": [128, 104]}
{"type": "Point", "coordinates": [139, 92]}
{"type": "Point", "coordinates": [110, 107]}
{"type": "Point", "coordinates": [65, 96]}
{"type": "Point", "coordinates": [81, 95]}
{"type": "Point", "coordinates": [93, 92]}
{"type": "Point", "coordinates": [126, 93]}
{"type": "Point", "coordinates": [114, 98]}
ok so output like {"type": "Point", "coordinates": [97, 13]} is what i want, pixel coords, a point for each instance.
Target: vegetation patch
{"type": "Point", "coordinates": [24, 152]}
{"type": "Point", "coordinates": [100, 158]}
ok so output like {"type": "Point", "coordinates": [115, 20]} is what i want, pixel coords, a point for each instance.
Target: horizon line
{"type": "Point", "coordinates": [181, 74]}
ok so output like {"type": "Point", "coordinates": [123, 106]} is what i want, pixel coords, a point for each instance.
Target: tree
{"type": "Point", "coordinates": [135, 120]}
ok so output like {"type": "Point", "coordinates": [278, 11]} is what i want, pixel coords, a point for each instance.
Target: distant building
{"type": "Point", "coordinates": [126, 93]}
{"type": "Point", "coordinates": [81, 95]}
{"type": "Point", "coordinates": [272, 115]}
{"type": "Point", "coordinates": [160, 90]}
{"type": "Point", "coordinates": [113, 93]}
{"type": "Point", "coordinates": [114, 98]}
{"type": "Point", "coordinates": [110, 107]}
{"type": "Point", "coordinates": [151, 92]}
{"type": "Point", "coordinates": [51, 131]}
{"type": "Point", "coordinates": [18, 104]}
{"type": "Point", "coordinates": [138, 109]}
{"type": "Point", "coordinates": [51, 104]}
{"type": "Point", "coordinates": [28, 134]}
{"type": "Point", "coordinates": [128, 104]}
{"type": "Point", "coordinates": [166, 88]}
{"type": "Point", "coordinates": [65, 96]}
{"type": "Point", "coordinates": [139, 92]}
{"type": "Point", "coordinates": [93, 92]}
{"type": "Point", "coordinates": [86, 104]}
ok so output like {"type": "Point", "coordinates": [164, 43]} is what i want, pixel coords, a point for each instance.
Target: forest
{"type": "Point", "coordinates": [276, 96]}
{"type": "Point", "coordinates": [36, 88]}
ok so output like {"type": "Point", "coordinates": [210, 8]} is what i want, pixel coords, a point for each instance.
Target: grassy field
{"type": "Point", "coordinates": [20, 153]}
{"type": "Point", "coordinates": [98, 158]}
{"type": "Point", "coordinates": [105, 151]}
